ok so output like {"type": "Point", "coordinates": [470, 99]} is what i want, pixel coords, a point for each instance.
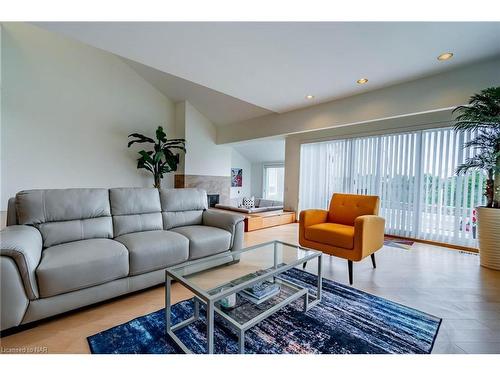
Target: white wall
{"type": "Point", "coordinates": [67, 109]}
{"type": "Point", "coordinates": [239, 161]}
{"type": "Point", "coordinates": [204, 157]}
{"type": "Point", "coordinates": [256, 188]}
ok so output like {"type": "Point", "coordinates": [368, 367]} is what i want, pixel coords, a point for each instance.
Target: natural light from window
{"type": "Point", "coordinates": [414, 175]}
{"type": "Point", "coordinates": [274, 180]}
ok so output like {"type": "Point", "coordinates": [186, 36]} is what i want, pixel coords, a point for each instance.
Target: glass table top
{"type": "Point", "coordinates": [253, 261]}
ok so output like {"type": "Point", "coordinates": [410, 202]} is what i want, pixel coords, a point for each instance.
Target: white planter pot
{"type": "Point", "coordinates": [488, 225]}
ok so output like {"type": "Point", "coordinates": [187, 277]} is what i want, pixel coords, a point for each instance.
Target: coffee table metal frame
{"type": "Point", "coordinates": [209, 300]}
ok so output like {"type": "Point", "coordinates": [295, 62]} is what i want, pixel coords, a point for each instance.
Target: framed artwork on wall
{"type": "Point", "coordinates": [236, 177]}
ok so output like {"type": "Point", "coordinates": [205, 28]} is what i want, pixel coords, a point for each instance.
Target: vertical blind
{"type": "Point", "coordinates": [414, 175]}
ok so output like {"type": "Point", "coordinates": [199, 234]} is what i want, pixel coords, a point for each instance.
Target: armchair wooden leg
{"type": "Point", "coordinates": [349, 266]}
{"type": "Point", "coordinates": [373, 260]}
{"type": "Point", "coordinates": [304, 265]}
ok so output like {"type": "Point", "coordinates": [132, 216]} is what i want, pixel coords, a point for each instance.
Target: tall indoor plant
{"type": "Point", "coordinates": [162, 158]}
{"type": "Point", "coordinates": [482, 116]}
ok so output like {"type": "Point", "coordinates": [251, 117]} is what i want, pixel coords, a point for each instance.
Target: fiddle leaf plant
{"type": "Point", "coordinates": [163, 158]}
{"type": "Point", "coordinates": [482, 117]}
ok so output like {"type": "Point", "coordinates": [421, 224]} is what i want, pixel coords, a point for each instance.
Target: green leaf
{"type": "Point", "coordinates": [482, 112]}
{"type": "Point", "coordinates": [160, 134]}
{"type": "Point", "coordinates": [146, 156]}
{"type": "Point", "coordinates": [141, 164]}
{"type": "Point", "coordinates": [157, 157]}
{"type": "Point", "coordinates": [140, 139]}
{"type": "Point", "coordinates": [171, 142]}
{"type": "Point", "coordinates": [161, 159]}
{"type": "Point", "coordinates": [174, 147]}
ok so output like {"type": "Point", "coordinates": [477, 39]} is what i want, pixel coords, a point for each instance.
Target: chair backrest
{"type": "Point", "coordinates": [345, 208]}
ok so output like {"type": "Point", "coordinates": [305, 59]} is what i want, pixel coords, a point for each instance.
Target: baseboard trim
{"type": "Point", "coordinates": [436, 243]}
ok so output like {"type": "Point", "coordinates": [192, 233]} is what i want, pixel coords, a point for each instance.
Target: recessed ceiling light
{"type": "Point", "coordinates": [445, 56]}
{"type": "Point", "coordinates": [362, 81]}
{"type": "Point", "coordinates": [309, 97]}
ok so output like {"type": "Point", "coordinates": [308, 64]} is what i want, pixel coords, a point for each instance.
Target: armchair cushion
{"type": "Point", "coordinates": [23, 244]}
{"type": "Point", "coordinates": [331, 234]}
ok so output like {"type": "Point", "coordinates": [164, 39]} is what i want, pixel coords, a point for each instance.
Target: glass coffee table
{"type": "Point", "coordinates": [229, 281]}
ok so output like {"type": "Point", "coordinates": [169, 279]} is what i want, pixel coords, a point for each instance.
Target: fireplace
{"type": "Point", "coordinates": [213, 199]}
{"type": "Point", "coordinates": [219, 186]}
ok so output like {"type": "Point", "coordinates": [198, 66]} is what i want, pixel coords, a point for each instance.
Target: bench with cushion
{"type": "Point", "coordinates": [260, 205]}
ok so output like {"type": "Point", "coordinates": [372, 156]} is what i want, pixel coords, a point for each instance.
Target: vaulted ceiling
{"type": "Point", "coordinates": [262, 150]}
{"type": "Point", "coordinates": [237, 71]}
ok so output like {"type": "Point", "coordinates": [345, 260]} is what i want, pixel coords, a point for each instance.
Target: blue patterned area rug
{"type": "Point", "coordinates": [346, 321]}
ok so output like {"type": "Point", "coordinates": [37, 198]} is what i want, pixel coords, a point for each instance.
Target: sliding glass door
{"type": "Point", "coordinates": [413, 173]}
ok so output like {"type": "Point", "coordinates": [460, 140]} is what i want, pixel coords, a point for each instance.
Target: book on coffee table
{"type": "Point", "coordinates": [260, 292]}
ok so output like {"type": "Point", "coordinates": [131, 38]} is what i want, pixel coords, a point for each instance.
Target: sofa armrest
{"type": "Point", "coordinates": [312, 217]}
{"type": "Point", "coordinates": [368, 234]}
{"type": "Point", "coordinates": [23, 244]}
{"type": "Point", "coordinates": [232, 222]}
{"type": "Point", "coordinates": [222, 220]}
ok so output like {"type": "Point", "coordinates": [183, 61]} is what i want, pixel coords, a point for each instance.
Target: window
{"type": "Point", "coordinates": [274, 181]}
{"type": "Point", "coordinates": [413, 173]}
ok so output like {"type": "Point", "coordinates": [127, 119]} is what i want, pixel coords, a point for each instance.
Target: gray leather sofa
{"type": "Point", "coordinates": [64, 249]}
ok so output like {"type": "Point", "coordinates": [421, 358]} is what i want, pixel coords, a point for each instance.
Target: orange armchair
{"type": "Point", "coordinates": [351, 229]}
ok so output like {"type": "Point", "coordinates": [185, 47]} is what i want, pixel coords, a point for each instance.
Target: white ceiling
{"type": "Point", "coordinates": [220, 108]}
{"type": "Point", "coordinates": [274, 65]}
{"type": "Point", "coordinates": [263, 150]}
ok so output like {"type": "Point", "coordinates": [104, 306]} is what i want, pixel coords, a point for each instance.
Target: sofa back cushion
{"type": "Point", "coordinates": [182, 207]}
{"type": "Point", "coordinates": [345, 208]}
{"type": "Point", "coordinates": [268, 203]}
{"type": "Point", "coordinates": [135, 210]}
{"type": "Point", "coordinates": [66, 215]}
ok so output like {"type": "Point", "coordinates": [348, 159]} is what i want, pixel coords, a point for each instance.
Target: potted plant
{"type": "Point", "coordinates": [162, 159]}
{"type": "Point", "coordinates": [482, 117]}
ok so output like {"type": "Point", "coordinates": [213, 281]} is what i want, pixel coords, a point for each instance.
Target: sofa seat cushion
{"type": "Point", "coordinates": [154, 250]}
{"type": "Point", "coordinates": [205, 240]}
{"type": "Point", "coordinates": [80, 264]}
{"type": "Point", "coordinates": [332, 234]}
